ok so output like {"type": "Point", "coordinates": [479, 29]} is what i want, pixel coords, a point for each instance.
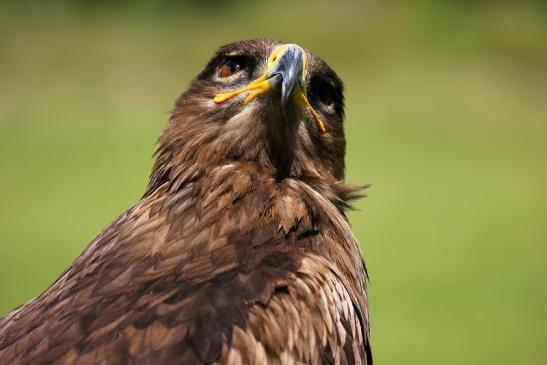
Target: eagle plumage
{"type": "Point", "coordinates": [239, 252]}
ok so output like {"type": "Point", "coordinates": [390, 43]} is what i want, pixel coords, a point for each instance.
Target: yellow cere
{"type": "Point", "coordinates": [275, 54]}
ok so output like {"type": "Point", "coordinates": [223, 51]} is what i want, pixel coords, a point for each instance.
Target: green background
{"type": "Point", "coordinates": [446, 117]}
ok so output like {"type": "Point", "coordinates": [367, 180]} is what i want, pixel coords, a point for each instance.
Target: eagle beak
{"type": "Point", "coordinates": [289, 67]}
{"type": "Point", "coordinates": [286, 73]}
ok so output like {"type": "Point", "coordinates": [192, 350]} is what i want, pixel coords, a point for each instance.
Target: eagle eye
{"type": "Point", "coordinates": [323, 91]}
{"type": "Point", "coordinates": [325, 97]}
{"type": "Point", "coordinates": [230, 67]}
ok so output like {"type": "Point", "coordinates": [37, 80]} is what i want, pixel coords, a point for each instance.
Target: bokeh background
{"type": "Point", "coordinates": [446, 117]}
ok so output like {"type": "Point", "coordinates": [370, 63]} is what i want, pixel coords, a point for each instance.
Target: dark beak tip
{"type": "Point", "coordinates": [286, 91]}
{"type": "Point", "coordinates": [284, 100]}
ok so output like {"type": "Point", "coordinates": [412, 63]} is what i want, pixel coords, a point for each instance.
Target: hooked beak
{"type": "Point", "coordinates": [286, 73]}
{"type": "Point", "coordinates": [289, 67]}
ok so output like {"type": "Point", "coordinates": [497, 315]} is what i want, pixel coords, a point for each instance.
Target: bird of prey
{"type": "Point", "coordinates": [239, 251]}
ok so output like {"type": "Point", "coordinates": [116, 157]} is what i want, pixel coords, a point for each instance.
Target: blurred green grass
{"type": "Point", "coordinates": [446, 117]}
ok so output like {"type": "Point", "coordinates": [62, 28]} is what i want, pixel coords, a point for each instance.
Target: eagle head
{"type": "Point", "coordinates": [272, 103]}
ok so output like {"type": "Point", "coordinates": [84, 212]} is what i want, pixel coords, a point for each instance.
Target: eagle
{"type": "Point", "coordinates": [239, 251]}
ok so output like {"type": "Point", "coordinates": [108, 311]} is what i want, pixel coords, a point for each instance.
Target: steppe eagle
{"type": "Point", "coordinates": [239, 252]}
